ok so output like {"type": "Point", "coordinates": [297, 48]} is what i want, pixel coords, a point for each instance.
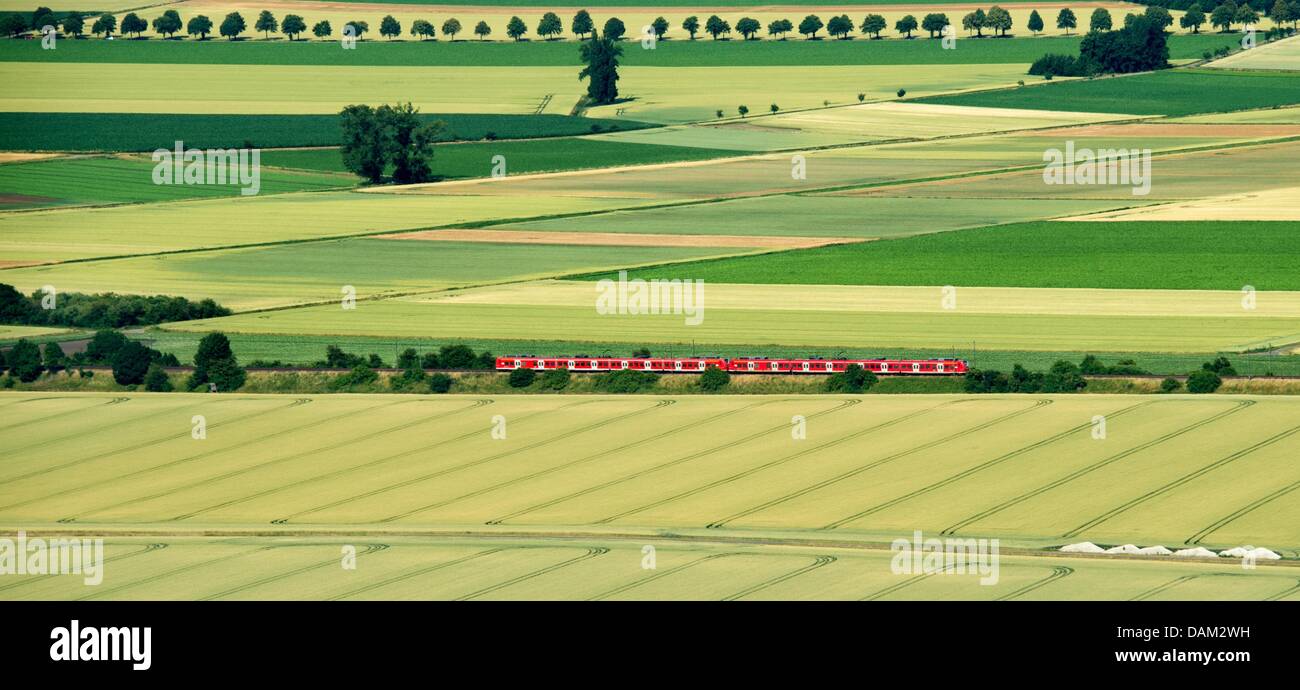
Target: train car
{"type": "Point", "coordinates": [812, 365]}
{"type": "Point", "coordinates": [585, 364]}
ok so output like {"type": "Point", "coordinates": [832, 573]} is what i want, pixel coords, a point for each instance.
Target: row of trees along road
{"type": "Point", "coordinates": [995, 19]}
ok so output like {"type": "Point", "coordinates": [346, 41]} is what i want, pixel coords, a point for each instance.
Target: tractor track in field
{"type": "Point", "coordinates": [1181, 481]}
{"type": "Point", "coordinates": [660, 575]}
{"type": "Point", "coordinates": [181, 461]}
{"type": "Point", "coordinates": [408, 574]}
{"type": "Point", "coordinates": [349, 499]}
{"type": "Point", "coordinates": [1285, 593]}
{"type": "Point", "coordinates": [56, 415]}
{"type": "Point", "coordinates": [1161, 589]}
{"type": "Point", "coordinates": [659, 404]}
{"type": "Point", "coordinates": [978, 468]}
{"type": "Point", "coordinates": [818, 562]}
{"type": "Point", "coordinates": [592, 552]}
{"type": "Point", "coordinates": [906, 583]}
{"type": "Point", "coordinates": [1059, 572]}
{"type": "Point", "coordinates": [671, 463]}
{"type": "Point", "coordinates": [1240, 512]}
{"type": "Point", "coordinates": [250, 468]}
{"type": "Point", "coordinates": [135, 447]}
{"type": "Point", "coordinates": [174, 571]}
{"type": "Point", "coordinates": [593, 456]}
{"type": "Point", "coordinates": [952, 529]}
{"type": "Point", "coordinates": [773, 463]}
{"type": "Point", "coordinates": [370, 548]}
{"type": "Point", "coordinates": [337, 473]}
{"type": "Point", "coordinates": [1038, 404]}
{"type": "Point", "coordinates": [148, 548]}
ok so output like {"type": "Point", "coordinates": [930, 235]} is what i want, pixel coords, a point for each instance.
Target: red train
{"type": "Point", "coordinates": [740, 365]}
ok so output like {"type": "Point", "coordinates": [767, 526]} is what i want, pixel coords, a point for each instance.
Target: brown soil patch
{"type": "Point", "coordinates": [1172, 130]}
{"type": "Point", "coordinates": [18, 264]}
{"type": "Point", "coordinates": [18, 157]}
{"type": "Point", "coordinates": [618, 239]}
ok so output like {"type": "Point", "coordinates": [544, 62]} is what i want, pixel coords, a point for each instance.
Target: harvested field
{"type": "Point", "coordinates": [614, 239]}
{"type": "Point", "coordinates": [1270, 204]}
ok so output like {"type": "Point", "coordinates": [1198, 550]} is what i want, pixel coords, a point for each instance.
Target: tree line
{"type": "Point", "coordinates": [551, 27]}
{"type": "Point", "coordinates": [103, 310]}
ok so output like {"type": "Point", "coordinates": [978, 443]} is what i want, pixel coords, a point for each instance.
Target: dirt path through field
{"type": "Point", "coordinates": [617, 239]}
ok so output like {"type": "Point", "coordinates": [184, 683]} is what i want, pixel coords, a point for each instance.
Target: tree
{"type": "Point", "coordinates": [748, 26]}
{"type": "Point", "coordinates": [999, 20]}
{"type": "Point", "coordinates": [614, 29]}
{"type": "Point", "coordinates": [14, 24]}
{"type": "Point", "coordinates": [934, 23]}
{"type": "Point", "coordinates": [550, 26]}
{"type": "Point", "coordinates": [714, 379]}
{"type": "Point", "coordinates": [1203, 381]}
{"type": "Point", "coordinates": [1245, 15]}
{"type": "Point", "coordinates": [482, 30]}
{"type": "Point", "coordinates": [451, 27]}
{"type": "Point", "coordinates": [1035, 23]}
{"type": "Point", "coordinates": [581, 25]}
{"type": "Point", "coordinates": [521, 378]}
{"type": "Point", "coordinates": [854, 379]}
{"type": "Point", "coordinates": [293, 26]}
{"type": "Point", "coordinates": [691, 25]}
{"type": "Point", "coordinates": [25, 361]}
{"type": "Point", "coordinates": [1280, 13]}
{"type": "Point", "coordinates": [1170, 385]}
{"type": "Point", "coordinates": [52, 357]}
{"type": "Point", "coordinates": [1100, 20]}
{"type": "Point", "coordinates": [103, 346]}
{"type": "Point", "coordinates": [168, 24]}
{"type": "Point", "coordinates": [873, 24]}
{"type": "Point", "coordinates": [906, 25]}
{"type": "Point", "coordinates": [1193, 18]}
{"type": "Point", "coordinates": [131, 363]}
{"type": "Point", "coordinates": [840, 27]}
{"type": "Point", "coordinates": [1160, 16]}
{"type": "Point", "coordinates": [75, 25]}
{"type": "Point", "coordinates": [362, 147]}
{"type": "Point", "coordinates": [716, 26]}
{"type": "Point", "coordinates": [156, 380]}
{"type": "Point", "coordinates": [1065, 19]}
{"type": "Point", "coordinates": [390, 27]}
{"type": "Point", "coordinates": [423, 29]}
{"type": "Point", "coordinates": [322, 29]}
{"type": "Point", "coordinates": [407, 142]}
{"type": "Point", "coordinates": [1223, 16]}
{"type": "Point", "coordinates": [215, 363]}
{"type": "Point", "coordinates": [106, 24]}
{"type": "Point", "coordinates": [43, 17]}
{"type": "Point", "coordinates": [743, 110]}
{"type": "Point", "coordinates": [516, 28]}
{"type": "Point", "coordinates": [660, 27]}
{"type": "Point", "coordinates": [555, 379]}
{"type": "Point", "coordinates": [810, 26]}
{"type": "Point", "coordinates": [232, 25]}
{"type": "Point", "coordinates": [976, 20]}
{"type": "Point", "coordinates": [359, 28]}
{"type": "Point", "coordinates": [266, 23]}
{"type": "Point", "coordinates": [601, 57]}
{"type": "Point", "coordinates": [780, 26]}
{"type": "Point", "coordinates": [774, 108]}
{"type": "Point", "coordinates": [1220, 366]}
{"type": "Point", "coordinates": [439, 383]}
{"type": "Point", "coordinates": [133, 24]}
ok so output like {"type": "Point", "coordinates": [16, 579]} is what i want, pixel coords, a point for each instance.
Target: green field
{"type": "Point", "coordinates": [668, 53]}
{"type": "Point", "coordinates": [548, 155]}
{"type": "Point", "coordinates": [1192, 255]}
{"type": "Point", "coordinates": [817, 316]}
{"type": "Point", "coordinates": [146, 132]}
{"type": "Point", "coordinates": [1171, 92]}
{"type": "Point", "coordinates": [1172, 470]}
{"type": "Point", "coordinates": [72, 181]}
{"type": "Point", "coordinates": [308, 349]}
{"type": "Point", "coordinates": [295, 273]}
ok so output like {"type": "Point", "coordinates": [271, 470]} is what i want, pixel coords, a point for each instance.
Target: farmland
{"type": "Point", "coordinates": [835, 198]}
{"type": "Point", "coordinates": [615, 471]}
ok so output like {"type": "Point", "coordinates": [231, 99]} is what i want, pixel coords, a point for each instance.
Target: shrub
{"type": "Point", "coordinates": [1063, 377]}
{"type": "Point", "coordinates": [626, 381]}
{"type": "Point", "coordinates": [522, 378]}
{"type": "Point", "coordinates": [714, 379]}
{"type": "Point", "coordinates": [25, 361]}
{"type": "Point", "coordinates": [131, 363]}
{"type": "Point", "coordinates": [1060, 65]}
{"type": "Point", "coordinates": [215, 363]}
{"type": "Point", "coordinates": [1170, 385]}
{"type": "Point", "coordinates": [985, 381]}
{"type": "Point", "coordinates": [1220, 366]}
{"type": "Point", "coordinates": [854, 379]}
{"type": "Point", "coordinates": [1203, 381]}
{"type": "Point", "coordinates": [359, 376]}
{"type": "Point", "coordinates": [156, 380]}
{"type": "Point", "coordinates": [555, 379]}
{"type": "Point", "coordinates": [456, 357]}
{"type": "Point", "coordinates": [103, 346]}
{"type": "Point", "coordinates": [439, 383]}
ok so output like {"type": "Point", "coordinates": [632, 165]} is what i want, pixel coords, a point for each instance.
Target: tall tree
{"type": "Point", "coordinates": [582, 24]}
{"type": "Point", "coordinates": [906, 25]}
{"type": "Point", "coordinates": [407, 142]}
{"type": "Point", "coordinates": [482, 30]}
{"type": "Point", "coordinates": [810, 25]}
{"type": "Point", "coordinates": [1193, 18]}
{"type": "Point", "coordinates": [1035, 23]}
{"type": "Point", "coordinates": [75, 25]}
{"type": "Point", "coordinates": [691, 25]}
{"type": "Point", "coordinates": [976, 21]}
{"type": "Point", "coordinates": [550, 26]}
{"type": "Point", "coordinates": [1100, 20]}
{"type": "Point", "coordinates": [233, 25]}
{"type": "Point", "coordinates": [601, 57]}
{"type": "Point", "coordinates": [873, 24]}
{"type": "Point", "coordinates": [389, 27]}
{"type": "Point", "coordinates": [363, 142]}
{"type": "Point", "coordinates": [660, 26]}
{"type": "Point", "coordinates": [934, 23]}
{"type": "Point", "coordinates": [614, 29]}
{"type": "Point", "coordinates": [133, 24]}
{"type": "Point", "coordinates": [451, 27]}
{"type": "Point", "coordinates": [748, 26]}
{"type": "Point", "coordinates": [999, 20]}
{"type": "Point", "coordinates": [1065, 19]}
{"type": "Point", "coordinates": [322, 29]}
{"type": "Point", "coordinates": [293, 26]}
{"type": "Point", "coordinates": [423, 28]}
{"type": "Point", "coordinates": [266, 23]}
{"type": "Point", "coordinates": [716, 26]}
{"type": "Point", "coordinates": [516, 28]}
{"type": "Point", "coordinates": [199, 26]}
{"type": "Point", "coordinates": [168, 24]}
